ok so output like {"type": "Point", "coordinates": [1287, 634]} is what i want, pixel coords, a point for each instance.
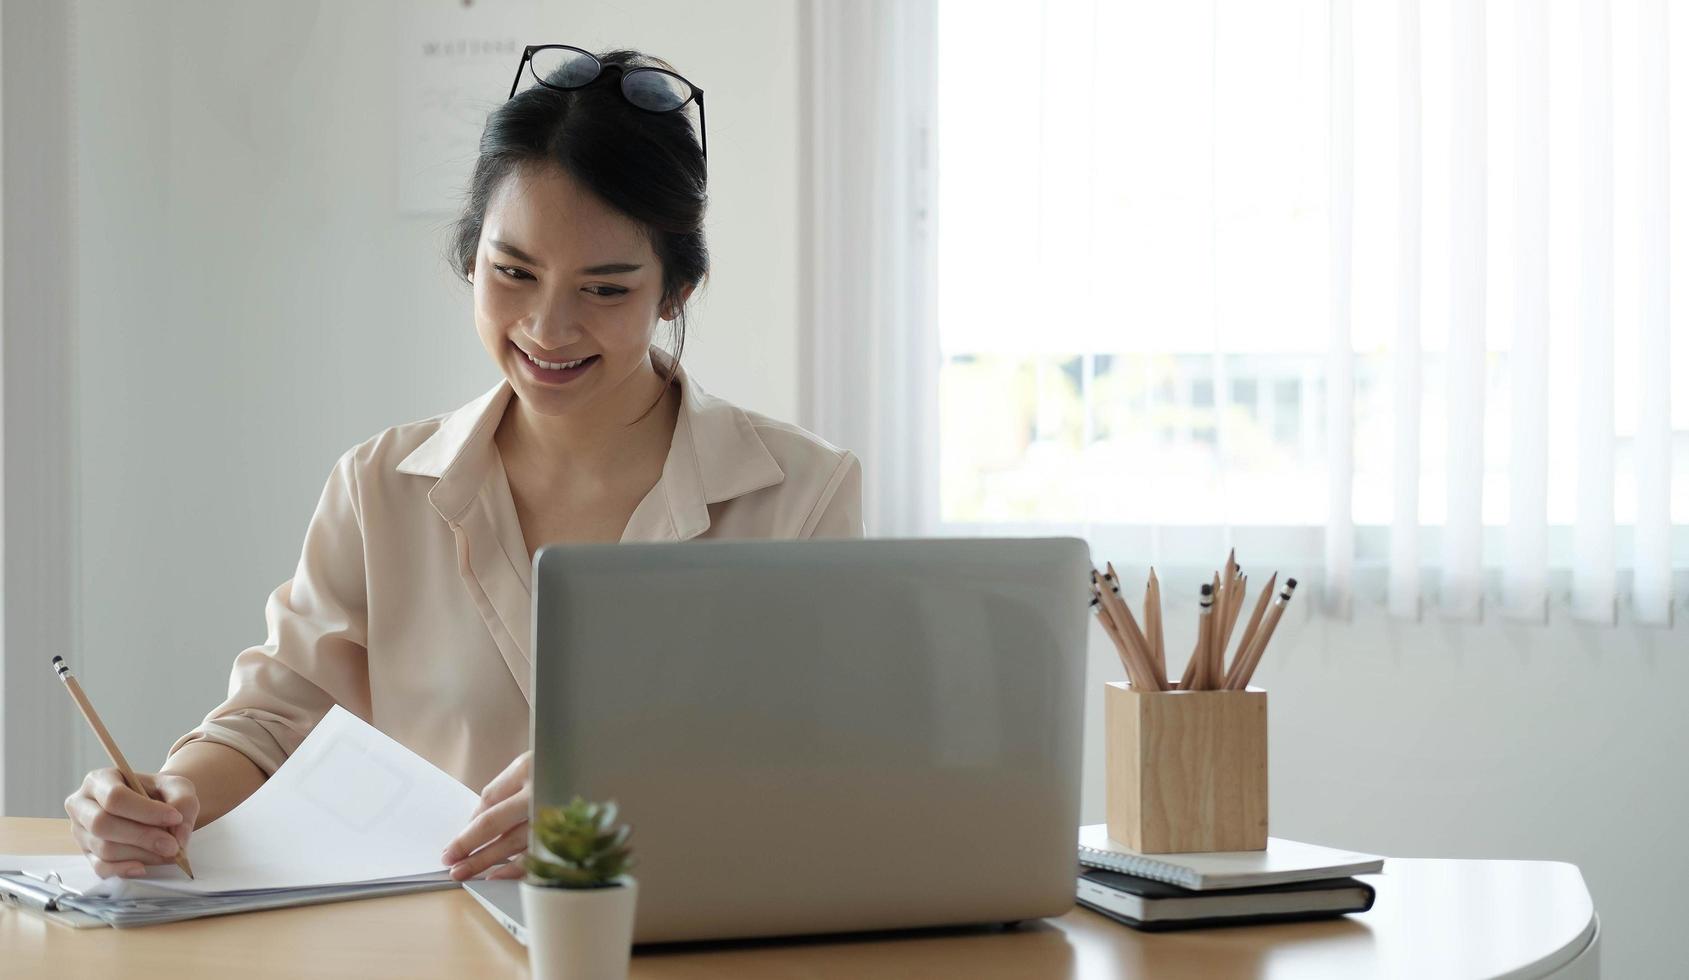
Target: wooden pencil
{"type": "Point", "coordinates": [1153, 630]}
{"type": "Point", "coordinates": [1223, 596]}
{"type": "Point", "coordinates": [1113, 634]}
{"type": "Point", "coordinates": [109, 744]}
{"type": "Point", "coordinates": [1109, 591]}
{"type": "Point", "coordinates": [1234, 605]}
{"type": "Point", "coordinates": [1188, 678]}
{"type": "Point", "coordinates": [1128, 624]}
{"type": "Point", "coordinates": [1199, 679]}
{"type": "Point", "coordinates": [1136, 671]}
{"type": "Point", "coordinates": [1216, 624]}
{"type": "Point", "coordinates": [1245, 668]}
{"type": "Point", "coordinates": [1254, 623]}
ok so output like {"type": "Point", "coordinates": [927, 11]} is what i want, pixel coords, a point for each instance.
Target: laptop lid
{"type": "Point", "coordinates": [820, 736]}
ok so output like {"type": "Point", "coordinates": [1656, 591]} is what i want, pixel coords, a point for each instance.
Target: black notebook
{"type": "Point", "coordinates": [1155, 905]}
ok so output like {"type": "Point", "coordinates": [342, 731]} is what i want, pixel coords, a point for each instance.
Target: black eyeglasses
{"type": "Point", "coordinates": [650, 89]}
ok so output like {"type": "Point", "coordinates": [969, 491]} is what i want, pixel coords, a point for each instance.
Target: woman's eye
{"type": "Point", "coordinates": [512, 272]}
{"type": "Point", "coordinates": [606, 290]}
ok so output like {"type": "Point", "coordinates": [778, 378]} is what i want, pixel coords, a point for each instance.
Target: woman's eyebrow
{"type": "Point", "coordinates": [510, 249]}
{"type": "Point", "coordinates": [607, 269]}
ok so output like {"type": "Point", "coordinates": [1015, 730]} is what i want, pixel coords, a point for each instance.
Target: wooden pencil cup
{"type": "Point", "coordinates": [1187, 770]}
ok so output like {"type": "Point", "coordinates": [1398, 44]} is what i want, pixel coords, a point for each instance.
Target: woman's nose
{"type": "Point", "coordinates": [555, 327]}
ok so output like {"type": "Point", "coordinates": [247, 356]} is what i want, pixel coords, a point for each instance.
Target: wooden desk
{"type": "Point", "coordinates": [1433, 918]}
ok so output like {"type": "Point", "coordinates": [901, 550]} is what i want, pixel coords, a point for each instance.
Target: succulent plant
{"type": "Point", "coordinates": [578, 846]}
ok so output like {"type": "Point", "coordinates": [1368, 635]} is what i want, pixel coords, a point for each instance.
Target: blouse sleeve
{"type": "Point", "coordinates": [314, 655]}
{"type": "Point", "coordinates": [838, 513]}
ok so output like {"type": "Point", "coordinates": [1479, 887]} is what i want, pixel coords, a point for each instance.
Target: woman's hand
{"type": "Point", "coordinates": [499, 829]}
{"type": "Point", "coordinates": [122, 831]}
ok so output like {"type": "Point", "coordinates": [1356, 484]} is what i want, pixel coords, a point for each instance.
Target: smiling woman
{"type": "Point", "coordinates": [570, 316]}
{"type": "Point", "coordinates": [411, 603]}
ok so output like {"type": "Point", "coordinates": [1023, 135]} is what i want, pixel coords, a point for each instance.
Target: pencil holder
{"type": "Point", "coordinates": [1187, 770]}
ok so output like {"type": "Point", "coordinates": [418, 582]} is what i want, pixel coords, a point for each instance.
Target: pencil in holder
{"type": "Point", "coordinates": [1187, 770]}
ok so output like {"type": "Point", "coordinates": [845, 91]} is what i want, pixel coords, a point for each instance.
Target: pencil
{"type": "Point", "coordinates": [1137, 671]}
{"type": "Point", "coordinates": [1113, 635]}
{"type": "Point", "coordinates": [110, 745]}
{"type": "Point", "coordinates": [1198, 678]}
{"type": "Point", "coordinates": [1237, 602]}
{"type": "Point", "coordinates": [1244, 669]}
{"type": "Point", "coordinates": [1234, 605]}
{"type": "Point", "coordinates": [1188, 678]}
{"type": "Point", "coordinates": [1254, 623]}
{"type": "Point", "coordinates": [1216, 625]}
{"type": "Point", "coordinates": [1223, 596]}
{"type": "Point", "coordinates": [1152, 628]}
{"type": "Point", "coordinates": [1129, 625]}
{"type": "Point", "coordinates": [1108, 590]}
{"type": "Point", "coordinates": [1110, 627]}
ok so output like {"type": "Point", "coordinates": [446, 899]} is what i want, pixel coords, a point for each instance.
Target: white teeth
{"type": "Point", "coordinates": [549, 365]}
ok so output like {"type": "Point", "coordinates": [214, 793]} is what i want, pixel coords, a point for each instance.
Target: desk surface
{"type": "Point", "coordinates": [1433, 918]}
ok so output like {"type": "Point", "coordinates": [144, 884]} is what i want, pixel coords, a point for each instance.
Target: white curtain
{"type": "Point", "coordinates": [1569, 212]}
{"type": "Point", "coordinates": [1468, 201]}
{"type": "Point", "coordinates": [870, 354]}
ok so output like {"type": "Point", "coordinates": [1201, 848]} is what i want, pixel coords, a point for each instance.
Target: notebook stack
{"type": "Point", "coordinates": [1288, 881]}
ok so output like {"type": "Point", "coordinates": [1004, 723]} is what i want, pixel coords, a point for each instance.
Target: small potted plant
{"type": "Point", "coordinates": [577, 898]}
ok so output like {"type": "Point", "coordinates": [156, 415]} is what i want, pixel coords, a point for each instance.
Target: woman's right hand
{"type": "Point", "coordinates": [122, 831]}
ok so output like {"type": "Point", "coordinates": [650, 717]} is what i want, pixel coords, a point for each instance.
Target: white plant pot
{"type": "Point", "coordinates": [579, 933]}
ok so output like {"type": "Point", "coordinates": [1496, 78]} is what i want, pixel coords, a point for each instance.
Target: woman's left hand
{"type": "Point", "coordinates": [499, 829]}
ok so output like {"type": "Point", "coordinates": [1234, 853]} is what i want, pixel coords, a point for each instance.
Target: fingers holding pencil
{"type": "Point", "coordinates": [130, 781]}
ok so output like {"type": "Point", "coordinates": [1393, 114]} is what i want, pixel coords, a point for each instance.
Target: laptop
{"type": "Point", "coordinates": [818, 736]}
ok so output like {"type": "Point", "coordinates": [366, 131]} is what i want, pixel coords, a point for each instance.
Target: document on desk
{"type": "Point", "coordinates": [351, 812]}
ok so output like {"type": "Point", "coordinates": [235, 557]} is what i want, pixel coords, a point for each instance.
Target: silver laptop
{"type": "Point", "coordinates": [822, 736]}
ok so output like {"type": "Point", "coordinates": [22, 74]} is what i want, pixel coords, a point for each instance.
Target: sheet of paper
{"type": "Point", "coordinates": [453, 62]}
{"type": "Point", "coordinates": [40, 865]}
{"type": "Point", "coordinates": [350, 805]}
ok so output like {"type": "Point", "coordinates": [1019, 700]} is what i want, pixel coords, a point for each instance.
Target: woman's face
{"type": "Point", "coordinates": [563, 278]}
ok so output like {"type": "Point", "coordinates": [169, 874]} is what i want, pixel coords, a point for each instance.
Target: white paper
{"type": "Point", "coordinates": [453, 62]}
{"type": "Point", "coordinates": [350, 805]}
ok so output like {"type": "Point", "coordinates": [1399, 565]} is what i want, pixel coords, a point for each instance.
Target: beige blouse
{"type": "Point", "coordinates": [410, 605]}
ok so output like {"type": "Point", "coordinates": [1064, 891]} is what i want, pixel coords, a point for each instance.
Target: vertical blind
{"type": "Point", "coordinates": [1397, 272]}
{"type": "Point", "coordinates": [1568, 215]}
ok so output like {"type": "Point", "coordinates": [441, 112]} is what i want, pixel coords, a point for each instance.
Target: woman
{"type": "Point", "coordinates": [410, 603]}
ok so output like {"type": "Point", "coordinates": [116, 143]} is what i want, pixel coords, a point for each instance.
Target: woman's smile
{"type": "Point", "coordinates": [554, 372]}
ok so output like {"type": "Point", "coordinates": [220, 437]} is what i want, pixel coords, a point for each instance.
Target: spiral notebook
{"type": "Point", "coordinates": [1283, 861]}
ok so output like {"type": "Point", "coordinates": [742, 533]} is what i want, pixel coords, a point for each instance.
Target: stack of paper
{"type": "Point", "coordinates": [351, 814]}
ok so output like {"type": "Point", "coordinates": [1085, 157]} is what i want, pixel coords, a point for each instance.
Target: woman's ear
{"type": "Point", "coordinates": [672, 310]}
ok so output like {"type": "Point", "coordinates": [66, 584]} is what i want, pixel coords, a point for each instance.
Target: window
{"type": "Point", "coordinates": [1134, 265]}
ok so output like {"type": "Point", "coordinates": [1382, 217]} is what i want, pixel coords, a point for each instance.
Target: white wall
{"type": "Point", "coordinates": [251, 302]}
